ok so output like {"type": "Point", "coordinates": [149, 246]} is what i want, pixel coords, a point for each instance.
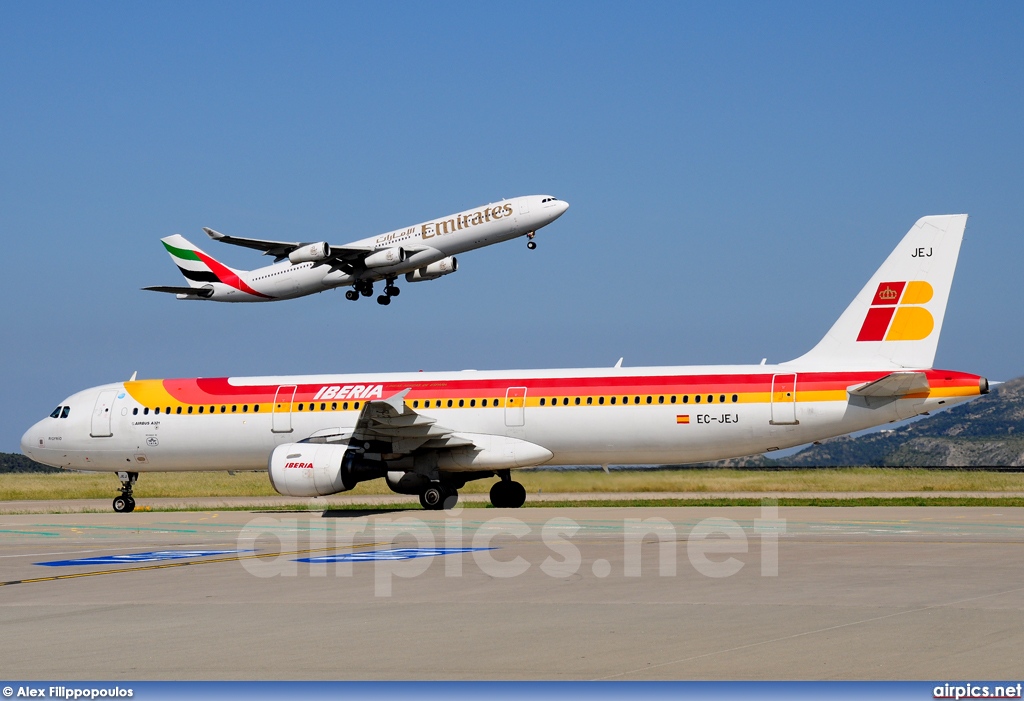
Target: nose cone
{"type": "Point", "coordinates": [27, 439]}
{"type": "Point", "coordinates": [560, 208]}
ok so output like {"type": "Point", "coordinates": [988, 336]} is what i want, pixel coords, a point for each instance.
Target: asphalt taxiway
{"type": "Point", "coordinates": [540, 593]}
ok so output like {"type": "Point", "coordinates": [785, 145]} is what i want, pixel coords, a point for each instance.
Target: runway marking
{"type": "Point", "coordinates": [120, 528]}
{"type": "Point", "coordinates": [168, 565]}
{"type": "Point", "coordinates": [4, 530]}
{"type": "Point", "coordinates": [809, 632]}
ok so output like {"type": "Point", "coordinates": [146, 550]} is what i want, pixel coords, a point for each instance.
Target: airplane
{"type": "Point", "coordinates": [422, 252]}
{"type": "Point", "coordinates": [429, 433]}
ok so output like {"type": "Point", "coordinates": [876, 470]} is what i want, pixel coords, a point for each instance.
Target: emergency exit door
{"type": "Point", "coordinates": [784, 400]}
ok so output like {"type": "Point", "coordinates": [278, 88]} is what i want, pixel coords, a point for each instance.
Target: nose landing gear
{"type": "Point", "coordinates": [126, 503]}
{"type": "Point", "coordinates": [530, 243]}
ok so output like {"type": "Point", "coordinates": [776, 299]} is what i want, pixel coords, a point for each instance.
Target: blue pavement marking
{"type": "Point", "coordinates": [392, 554]}
{"type": "Point", "coordinates": [133, 558]}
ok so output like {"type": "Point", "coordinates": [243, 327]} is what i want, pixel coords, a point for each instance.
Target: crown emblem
{"type": "Point", "coordinates": [888, 294]}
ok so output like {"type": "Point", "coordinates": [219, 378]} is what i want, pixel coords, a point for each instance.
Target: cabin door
{"type": "Point", "coordinates": [282, 413]}
{"type": "Point", "coordinates": [784, 400]}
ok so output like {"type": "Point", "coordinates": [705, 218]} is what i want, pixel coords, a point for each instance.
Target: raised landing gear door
{"type": "Point", "coordinates": [282, 411]}
{"type": "Point", "coordinates": [515, 402]}
{"type": "Point", "coordinates": [101, 414]}
{"type": "Point", "coordinates": [784, 400]}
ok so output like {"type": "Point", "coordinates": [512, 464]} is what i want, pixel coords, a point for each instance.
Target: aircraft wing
{"type": "Point", "coordinates": [280, 249]}
{"type": "Point", "coordinates": [391, 421]}
{"type": "Point", "coordinates": [894, 385]}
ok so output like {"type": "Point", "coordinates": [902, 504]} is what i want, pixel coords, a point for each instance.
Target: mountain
{"type": "Point", "coordinates": [16, 462]}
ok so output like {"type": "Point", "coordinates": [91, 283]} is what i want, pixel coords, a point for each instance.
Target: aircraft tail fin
{"type": "Point", "coordinates": [199, 268]}
{"type": "Point", "coordinates": [896, 319]}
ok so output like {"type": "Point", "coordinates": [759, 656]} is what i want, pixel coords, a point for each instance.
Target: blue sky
{"type": "Point", "coordinates": [736, 173]}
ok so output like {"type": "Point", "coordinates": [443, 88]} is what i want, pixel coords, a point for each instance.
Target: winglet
{"type": "Point", "coordinates": [619, 364]}
{"type": "Point", "coordinates": [397, 401]}
{"type": "Point", "coordinates": [134, 375]}
{"type": "Point", "coordinates": [215, 235]}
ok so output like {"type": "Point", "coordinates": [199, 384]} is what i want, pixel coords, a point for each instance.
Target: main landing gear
{"type": "Point", "coordinates": [530, 243]}
{"type": "Point", "coordinates": [125, 503]}
{"type": "Point", "coordinates": [439, 496]}
{"type": "Point", "coordinates": [365, 289]}
{"type": "Point", "coordinates": [507, 494]}
{"type": "Point", "coordinates": [389, 291]}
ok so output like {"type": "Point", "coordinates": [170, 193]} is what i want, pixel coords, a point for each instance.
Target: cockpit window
{"type": "Point", "coordinates": [65, 412]}
{"type": "Point", "coordinates": [55, 414]}
{"type": "Point", "coordinates": [549, 199]}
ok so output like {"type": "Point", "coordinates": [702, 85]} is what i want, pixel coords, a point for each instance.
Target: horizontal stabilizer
{"type": "Point", "coordinates": [894, 385]}
{"type": "Point", "coordinates": [201, 292]}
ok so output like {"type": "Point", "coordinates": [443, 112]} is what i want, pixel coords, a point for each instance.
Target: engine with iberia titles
{"type": "Point", "coordinates": [319, 469]}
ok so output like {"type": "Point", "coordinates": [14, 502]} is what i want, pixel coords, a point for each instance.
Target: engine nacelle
{"type": "Point", "coordinates": [310, 253]}
{"type": "Point", "coordinates": [434, 270]}
{"type": "Point", "coordinates": [388, 256]}
{"type": "Point", "coordinates": [319, 469]}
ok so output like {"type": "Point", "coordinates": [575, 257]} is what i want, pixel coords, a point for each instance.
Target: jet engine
{"type": "Point", "coordinates": [310, 253]}
{"type": "Point", "coordinates": [319, 469]}
{"type": "Point", "coordinates": [388, 256]}
{"type": "Point", "coordinates": [434, 270]}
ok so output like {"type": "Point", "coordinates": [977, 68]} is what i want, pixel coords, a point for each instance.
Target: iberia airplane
{"type": "Point", "coordinates": [422, 252]}
{"type": "Point", "coordinates": [430, 433]}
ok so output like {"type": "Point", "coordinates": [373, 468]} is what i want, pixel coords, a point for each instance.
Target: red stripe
{"type": "Point", "coordinates": [228, 277]}
{"type": "Point", "coordinates": [876, 323]}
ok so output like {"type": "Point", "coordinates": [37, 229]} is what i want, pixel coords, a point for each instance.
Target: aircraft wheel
{"type": "Point", "coordinates": [131, 504]}
{"type": "Point", "coordinates": [392, 291]}
{"type": "Point", "coordinates": [351, 295]}
{"type": "Point", "coordinates": [432, 498]}
{"type": "Point", "coordinates": [366, 291]}
{"type": "Point", "coordinates": [516, 495]}
{"type": "Point", "coordinates": [384, 299]}
{"type": "Point", "coordinates": [531, 245]}
{"type": "Point", "coordinates": [121, 505]}
{"type": "Point", "coordinates": [499, 495]}
{"type": "Point", "coordinates": [451, 498]}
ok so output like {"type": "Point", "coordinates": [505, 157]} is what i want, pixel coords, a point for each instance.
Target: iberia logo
{"type": "Point", "coordinates": [896, 314]}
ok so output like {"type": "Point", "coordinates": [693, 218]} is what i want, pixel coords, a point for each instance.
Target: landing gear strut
{"type": "Point", "coordinates": [530, 243]}
{"type": "Point", "coordinates": [389, 291]}
{"type": "Point", "coordinates": [439, 496]}
{"type": "Point", "coordinates": [125, 503]}
{"type": "Point", "coordinates": [507, 494]}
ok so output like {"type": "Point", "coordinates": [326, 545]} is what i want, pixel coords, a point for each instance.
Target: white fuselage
{"type": "Point", "coordinates": [592, 416]}
{"type": "Point", "coordinates": [427, 242]}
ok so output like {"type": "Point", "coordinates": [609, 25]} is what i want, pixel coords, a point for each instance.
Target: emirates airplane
{"type": "Point", "coordinates": [422, 252]}
{"type": "Point", "coordinates": [431, 433]}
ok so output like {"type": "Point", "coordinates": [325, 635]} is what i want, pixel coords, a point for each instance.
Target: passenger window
{"type": "Point", "coordinates": [711, 398]}
{"type": "Point", "coordinates": [145, 412]}
{"type": "Point", "coordinates": [636, 400]}
{"type": "Point", "coordinates": [135, 411]}
{"type": "Point", "coordinates": [696, 398]}
{"type": "Point", "coordinates": [449, 402]}
{"type": "Point", "coordinates": [577, 401]}
{"type": "Point", "coordinates": [55, 414]}
{"type": "Point", "coordinates": [223, 409]}
{"type": "Point", "coordinates": [64, 413]}
{"type": "Point", "coordinates": [323, 406]}
{"type": "Point", "coordinates": [190, 410]}
{"type": "Point", "coordinates": [245, 408]}
{"type": "Point", "coordinates": [300, 407]}
{"type": "Point", "coordinates": [344, 405]}
{"type": "Point", "coordinates": [672, 400]}
{"type": "Point", "coordinates": [356, 405]}
{"type": "Point", "coordinates": [722, 399]}
{"type": "Point", "coordinates": [686, 399]}
{"type": "Point", "coordinates": [625, 400]}
{"type": "Point", "coordinates": [734, 398]}
{"type": "Point", "coordinates": [472, 402]}
{"type": "Point", "coordinates": [590, 400]}
{"type": "Point", "coordinates": [177, 410]}
{"type": "Point", "coordinates": [334, 406]}
{"type": "Point", "coordinates": [542, 400]}
{"type": "Point", "coordinates": [201, 409]}
{"type": "Point", "coordinates": [168, 410]}
{"type": "Point", "coordinates": [416, 404]}
{"type": "Point", "coordinates": [600, 400]}
{"type": "Point", "coordinates": [661, 400]}
{"type": "Point", "coordinates": [613, 400]}
{"type": "Point", "coordinates": [484, 402]}
{"type": "Point", "coordinates": [234, 408]}
{"type": "Point", "coordinates": [156, 411]}
{"type": "Point", "coordinates": [565, 401]}
{"type": "Point", "coordinates": [213, 410]}
{"type": "Point", "coordinates": [255, 408]}
{"type": "Point", "coordinates": [462, 403]}
{"type": "Point", "coordinates": [649, 399]}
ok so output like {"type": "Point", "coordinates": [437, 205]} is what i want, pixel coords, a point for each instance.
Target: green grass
{"type": "Point", "coordinates": [72, 485]}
